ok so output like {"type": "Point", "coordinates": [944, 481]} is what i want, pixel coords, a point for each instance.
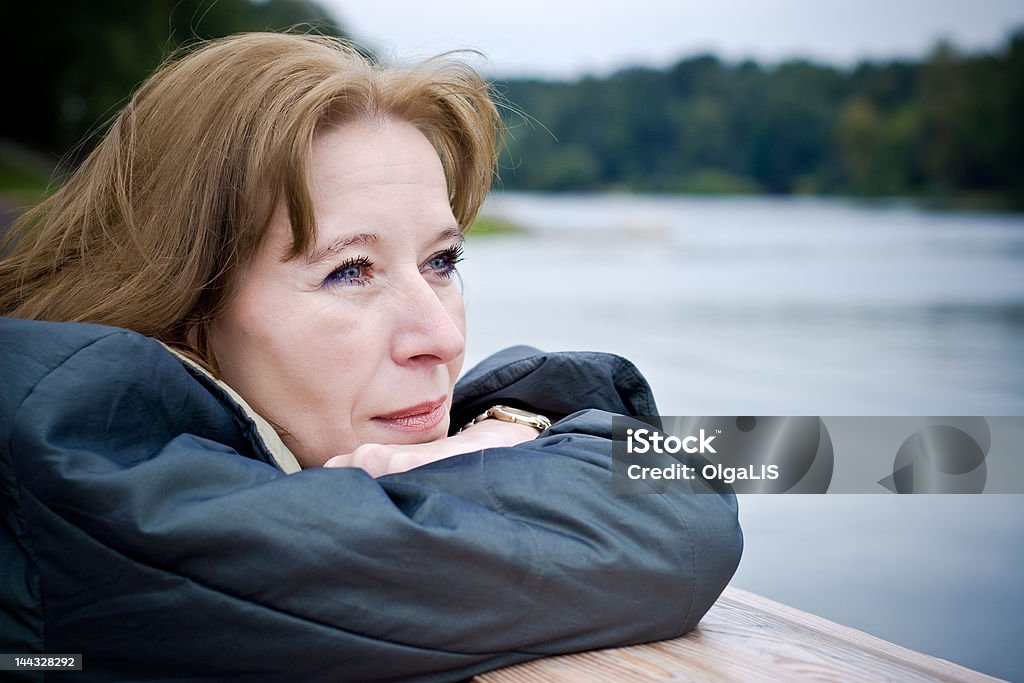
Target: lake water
{"type": "Point", "coordinates": [757, 306]}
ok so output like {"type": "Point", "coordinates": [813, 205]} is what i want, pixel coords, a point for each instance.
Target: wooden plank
{"type": "Point", "coordinates": [746, 637]}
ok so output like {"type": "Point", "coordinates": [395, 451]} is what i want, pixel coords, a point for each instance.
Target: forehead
{"type": "Point", "coordinates": [379, 177]}
{"type": "Point", "coordinates": [373, 153]}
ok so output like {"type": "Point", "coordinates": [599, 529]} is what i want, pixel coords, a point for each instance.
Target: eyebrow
{"type": "Point", "coordinates": [453, 232]}
{"type": "Point", "coordinates": [320, 254]}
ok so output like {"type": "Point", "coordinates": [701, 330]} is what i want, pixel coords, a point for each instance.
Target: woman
{"type": "Point", "coordinates": [268, 238]}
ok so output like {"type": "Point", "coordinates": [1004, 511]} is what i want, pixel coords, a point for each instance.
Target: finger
{"type": "Point", "coordinates": [340, 461]}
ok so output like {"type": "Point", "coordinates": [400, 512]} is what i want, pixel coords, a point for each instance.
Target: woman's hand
{"type": "Point", "coordinates": [380, 459]}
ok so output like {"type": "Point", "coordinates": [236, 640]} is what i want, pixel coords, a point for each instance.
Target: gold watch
{"type": "Point", "coordinates": [514, 415]}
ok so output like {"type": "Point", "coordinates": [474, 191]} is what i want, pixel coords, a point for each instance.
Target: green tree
{"type": "Point", "coordinates": [71, 65]}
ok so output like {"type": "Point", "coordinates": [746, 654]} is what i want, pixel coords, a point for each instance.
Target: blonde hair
{"type": "Point", "coordinates": [153, 230]}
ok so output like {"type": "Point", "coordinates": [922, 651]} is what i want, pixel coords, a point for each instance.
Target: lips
{"type": "Point", "coordinates": [420, 417]}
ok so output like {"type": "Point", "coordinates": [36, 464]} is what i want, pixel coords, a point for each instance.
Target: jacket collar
{"type": "Point", "coordinates": [272, 443]}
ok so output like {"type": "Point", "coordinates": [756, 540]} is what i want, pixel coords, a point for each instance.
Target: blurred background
{"type": "Point", "coordinates": [788, 208]}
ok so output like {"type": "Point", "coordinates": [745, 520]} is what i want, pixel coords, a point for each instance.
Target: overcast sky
{"type": "Point", "coordinates": [567, 38]}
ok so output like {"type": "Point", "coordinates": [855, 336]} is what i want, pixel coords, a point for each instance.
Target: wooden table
{"type": "Point", "coordinates": [745, 637]}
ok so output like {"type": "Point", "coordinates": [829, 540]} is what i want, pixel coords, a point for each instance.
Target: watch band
{"type": "Point", "coordinates": [514, 415]}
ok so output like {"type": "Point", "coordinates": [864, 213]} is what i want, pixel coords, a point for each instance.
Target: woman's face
{"type": "Point", "coordinates": [361, 339]}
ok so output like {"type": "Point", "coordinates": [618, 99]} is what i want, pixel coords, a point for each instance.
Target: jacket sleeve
{"type": "Point", "coordinates": [164, 546]}
{"type": "Point", "coordinates": [554, 384]}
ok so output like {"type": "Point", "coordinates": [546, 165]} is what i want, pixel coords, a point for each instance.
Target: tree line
{"type": "Point", "coordinates": [946, 127]}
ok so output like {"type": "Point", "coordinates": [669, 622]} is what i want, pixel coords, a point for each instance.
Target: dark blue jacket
{"type": "Point", "coordinates": [144, 524]}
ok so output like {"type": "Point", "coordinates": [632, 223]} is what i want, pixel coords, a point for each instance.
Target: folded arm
{"type": "Point", "coordinates": [158, 549]}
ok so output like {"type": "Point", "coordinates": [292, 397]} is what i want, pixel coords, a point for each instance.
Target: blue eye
{"type": "Point", "coordinates": [355, 271]}
{"type": "Point", "coordinates": [443, 263]}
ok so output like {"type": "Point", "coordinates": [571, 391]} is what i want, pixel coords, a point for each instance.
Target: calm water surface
{"type": "Point", "coordinates": [801, 307]}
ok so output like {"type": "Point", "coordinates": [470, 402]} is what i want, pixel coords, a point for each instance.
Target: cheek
{"type": "Point", "coordinates": [327, 350]}
{"type": "Point", "coordinates": [256, 330]}
{"type": "Point", "coordinates": [305, 367]}
{"type": "Point", "coordinates": [457, 311]}
{"type": "Point", "coordinates": [292, 353]}
{"type": "Point", "coordinates": [455, 305]}
{"type": "Point", "coordinates": [459, 317]}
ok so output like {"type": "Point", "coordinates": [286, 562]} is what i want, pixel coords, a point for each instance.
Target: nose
{"type": "Point", "coordinates": [430, 326]}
